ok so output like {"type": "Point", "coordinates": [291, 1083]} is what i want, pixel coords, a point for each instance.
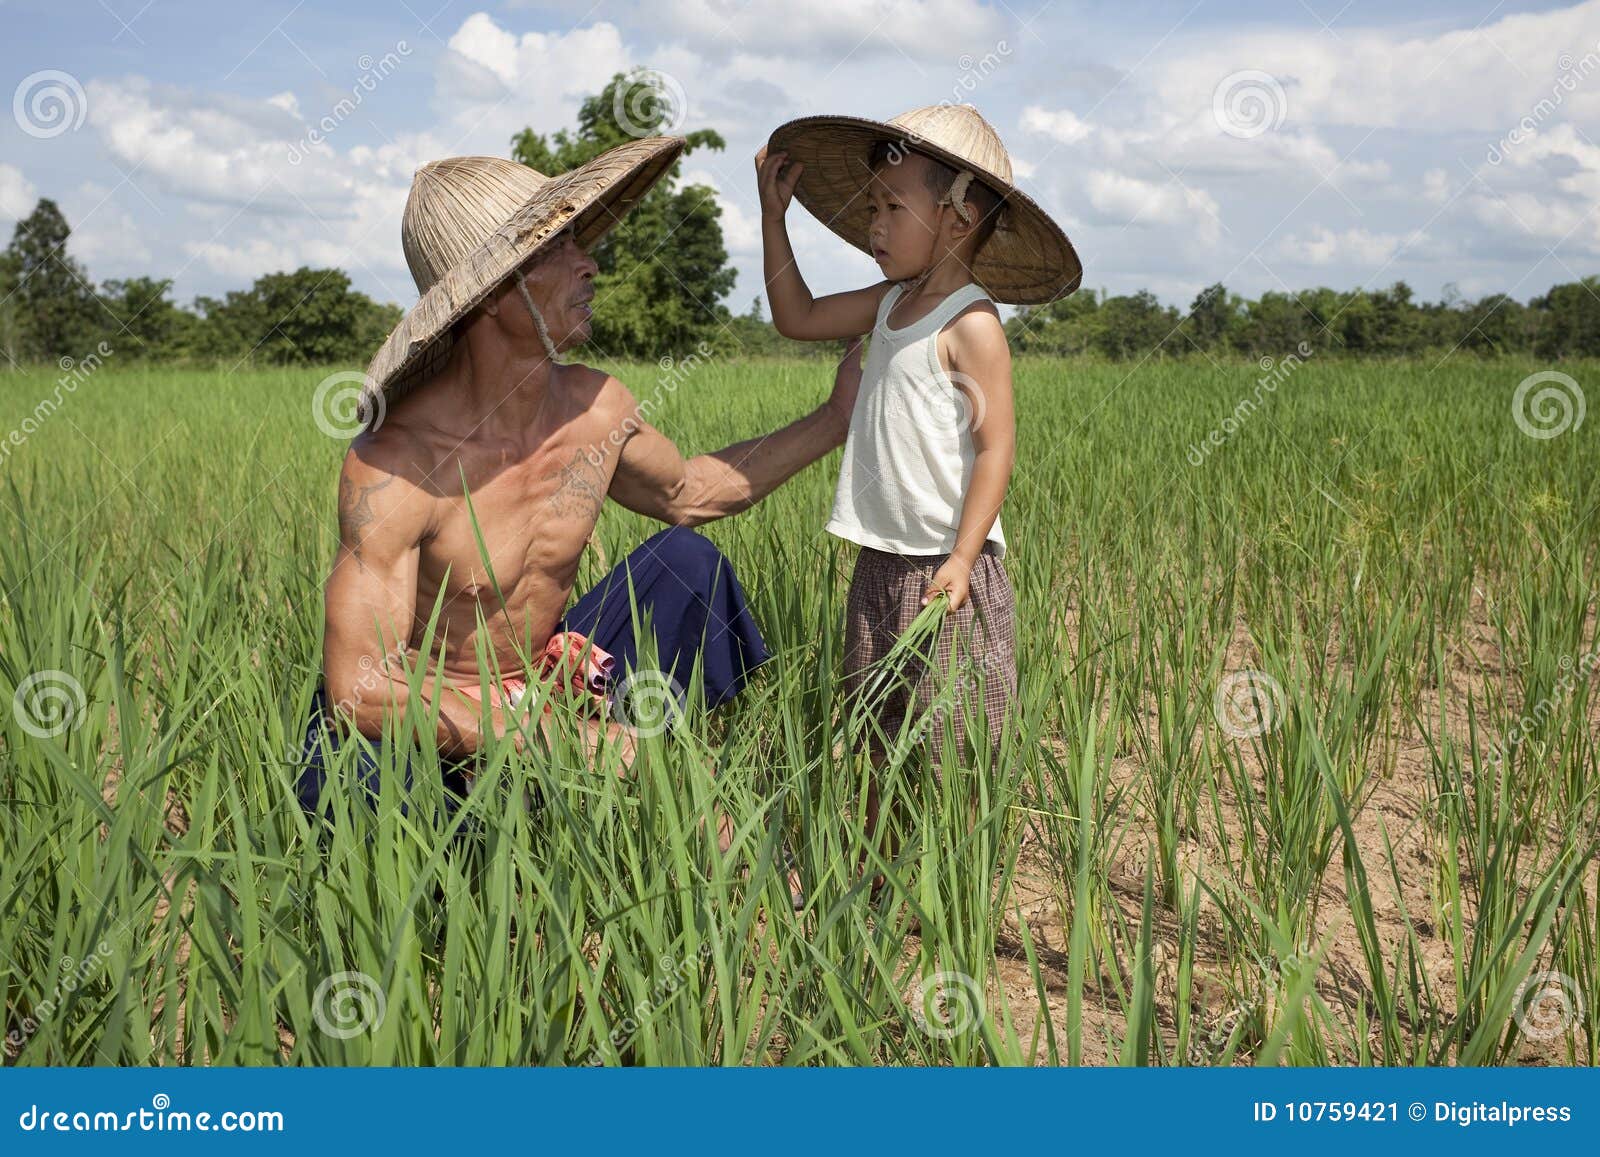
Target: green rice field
{"type": "Point", "coordinates": [1306, 764]}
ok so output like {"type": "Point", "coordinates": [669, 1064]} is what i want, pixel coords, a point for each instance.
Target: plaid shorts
{"type": "Point", "coordinates": [885, 597]}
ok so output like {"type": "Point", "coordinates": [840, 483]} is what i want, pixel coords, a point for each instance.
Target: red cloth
{"type": "Point", "coordinates": [573, 665]}
{"type": "Point", "coordinates": [576, 665]}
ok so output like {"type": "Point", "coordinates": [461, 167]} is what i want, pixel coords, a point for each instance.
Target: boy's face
{"type": "Point", "coordinates": [901, 216]}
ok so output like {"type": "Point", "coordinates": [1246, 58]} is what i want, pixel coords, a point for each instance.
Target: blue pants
{"type": "Point", "coordinates": [697, 611]}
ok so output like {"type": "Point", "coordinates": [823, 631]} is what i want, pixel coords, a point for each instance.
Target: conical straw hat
{"type": "Point", "coordinates": [1028, 260]}
{"type": "Point", "coordinates": [470, 222]}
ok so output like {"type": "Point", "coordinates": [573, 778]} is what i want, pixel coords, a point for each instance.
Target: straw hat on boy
{"type": "Point", "coordinates": [1028, 260]}
{"type": "Point", "coordinates": [472, 222]}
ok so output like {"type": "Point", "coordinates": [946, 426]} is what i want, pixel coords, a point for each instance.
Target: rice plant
{"type": "Point", "coordinates": [1302, 768]}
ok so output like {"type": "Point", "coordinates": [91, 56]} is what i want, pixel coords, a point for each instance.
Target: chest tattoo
{"type": "Point", "coordinates": [582, 489]}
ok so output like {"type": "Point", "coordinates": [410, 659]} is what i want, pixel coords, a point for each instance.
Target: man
{"type": "Point", "coordinates": [471, 405]}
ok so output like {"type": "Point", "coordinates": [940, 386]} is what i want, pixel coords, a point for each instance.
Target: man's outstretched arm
{"type": "Point", "coordinates": [653, 478]}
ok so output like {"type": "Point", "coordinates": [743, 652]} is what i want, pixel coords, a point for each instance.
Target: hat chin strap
{"type": "Point", "coordinates": [538, 318]}
{"type": "Point", "coordinates": [956, 198]}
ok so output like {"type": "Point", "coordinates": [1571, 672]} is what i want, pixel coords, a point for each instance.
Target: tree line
{"type": "Point", "coordinates": [664, 274]}
{"type": "Point", "coordinates": [1563, 323]}
{"type": "Point", "coordinates": [50, 309]}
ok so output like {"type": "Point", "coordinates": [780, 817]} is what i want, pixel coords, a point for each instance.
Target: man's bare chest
{"type": "Point", "coordinates": [516, 525]}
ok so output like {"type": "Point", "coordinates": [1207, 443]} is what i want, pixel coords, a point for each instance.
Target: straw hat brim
{"type": "Point", "coordinates": [592, 198]}
{"type": "Point", "coordinates": [1027, 261]}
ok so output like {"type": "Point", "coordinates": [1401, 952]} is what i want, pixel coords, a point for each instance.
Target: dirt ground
{"type": "Point", "coordinates": [1395, 809]}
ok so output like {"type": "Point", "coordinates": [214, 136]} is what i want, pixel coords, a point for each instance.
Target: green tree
{"type": "Point", "coordinates": [308, 316]}
{"type": "Point", "coordinates": [1383, 322]}
{"type": "Point", "coordinates": [1135, 325]}
{"type": "Point", "coordinates": [1211, 317]}
{"type": "Point", "coordinates": [10, 337]}
{"type": "Point", "coordinates": [664, 271]}
{"type": "Point", "coordinates": [1569, 325]}
{"type": "Point", "coordinates": [1276, 323]}
{"type": "Point", "coordinates": [1063, 327]}
{"type": "Point", "coordinates": [150, 326]}
{"type": "Point", "coordinates": [1496, 324]}
{"type": "Point", "coordinates": [55, 304]}
{"type": "Point", "coordinates": [750, 334]}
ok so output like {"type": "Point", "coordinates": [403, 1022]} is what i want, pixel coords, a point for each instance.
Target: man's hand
{"type": "Point", "coordinates": [776, 181]}
{"type": "Point", "coordinates": [953, 578]}
{"type": "Point", "coordinates": [846, 383]}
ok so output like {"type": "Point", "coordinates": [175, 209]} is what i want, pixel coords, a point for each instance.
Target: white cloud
{"type": "Point", "coordinates": [1058, 124]}
{"type": "Point", "coordinates": [1199, 144]}
{"type": "Point", "coordinates": [105, 236]}
{"type": "Point", "coordinates": [1546, 191]}
{"type": "Point", "coordinates": [1436, 186]}
{"type": "Point", "coordinates": [17, 194]}
{"type": "Point", "coordinates": [1355, 246]}
{"type": "Point", "coordinates": [285, 201]}
{"type": "Point", "coordinates": [492, 83]}
{"type": "Point", "coordinates": [741, 231]}
{"type": "Point", "coordinates": [1130, 145]}
{"type": "Point", "coordinates": [195, 145]}
{"type": "Point", "coordinates": [1130, 201]}
{"type": "Point", "coordinates": [288, 103]}
{"type": "Point", "coordinates": [1481, 78]}
{"type": "Point", "coordinates": [833, 30]}
{"type": "Point", "coordinates": [481, 40]}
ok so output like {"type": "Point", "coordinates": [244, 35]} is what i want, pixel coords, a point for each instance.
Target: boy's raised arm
{"type": "Point", "coordinates": [795, 313]}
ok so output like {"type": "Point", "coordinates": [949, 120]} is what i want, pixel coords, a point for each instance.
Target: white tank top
{"type": "Point", "coordinates": [908, 456]}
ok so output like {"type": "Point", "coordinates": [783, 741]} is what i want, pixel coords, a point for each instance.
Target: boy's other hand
{"type": "Point", "coordinates": [847, 383]}
{"type": "Point", "coordinates": [776, 179]}
{"type": "Point", "coordinates": [953, 578]}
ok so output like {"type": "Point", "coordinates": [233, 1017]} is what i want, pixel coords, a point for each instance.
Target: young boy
{"type": "Point", "coordinates": [931, 443]}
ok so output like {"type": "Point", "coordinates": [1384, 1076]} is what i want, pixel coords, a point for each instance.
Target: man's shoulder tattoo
{"type": "Point", "coordinates": [356, 513]}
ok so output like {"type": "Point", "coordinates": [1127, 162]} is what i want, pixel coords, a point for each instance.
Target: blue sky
{"type": "Point", "coordinates": [1267, 145]}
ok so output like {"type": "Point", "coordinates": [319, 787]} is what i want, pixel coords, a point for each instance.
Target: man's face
{"type": "Point", "coordinates": [561, 283]}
